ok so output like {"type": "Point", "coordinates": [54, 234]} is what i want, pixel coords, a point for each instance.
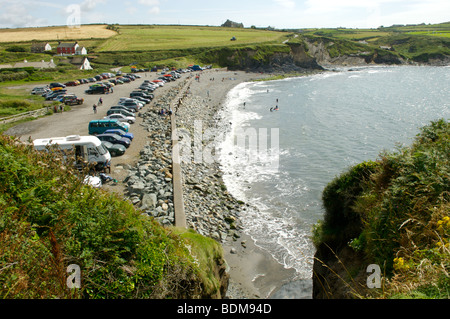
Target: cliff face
{"type": "Point", "coordinates": [268, 58]}
{"type": "Point", "coordinates": [339, 274]}
{"type": "Point", "coordinates": [301, 55]}
{"type": "Point", "coordinates": [354, 56]}
{"type": "Point", "coordinates": [393, 213]}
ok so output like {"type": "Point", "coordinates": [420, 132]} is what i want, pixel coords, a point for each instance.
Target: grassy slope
{"type": "Point", "coordinates": [50, 219]}
{"type": "Point", "coordinates": [419, 43]}
{"type": "Point", "coordinates": [144, 38]}
{"type": "Point", "coordinates": [396, 212]}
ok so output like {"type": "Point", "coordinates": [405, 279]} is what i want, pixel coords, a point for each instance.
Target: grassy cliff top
{"type": "Point", "coordinates": [396, 212]}
{"type": "Point", "coordinates": [49, 219]}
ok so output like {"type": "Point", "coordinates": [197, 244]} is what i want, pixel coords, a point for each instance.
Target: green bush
{"type": "Point", "coordinates": [397, 212]}
{"type": "Point", "coordinates": [16, 48]}
{"type": "Point", "coordinates": [13, 76]}
{"type": "Point", "coordinates": [50, 219]}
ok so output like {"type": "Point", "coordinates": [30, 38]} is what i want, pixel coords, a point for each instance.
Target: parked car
{"type": "Point", "coordinates": [147, 88]}
{"type": "Point", "coordinates": [136, 106]}
{"type": "Point", "coordinates": [56, 85]}
{"type": "Point", "coordinates": [128, 76]}
{"type": "Point", "coordinates": [145, 95]}
{"type": "Point", "coordinates": [72, 83]}
{"type": "Point", "coordinates": [97, 90]}
{"type": "Point", "coordinates": [121, 133]}
{"type": "Point", "coordinates": [114, 149]}
{"type": "Point", "coordinates": [72, 99]}
{"type": "Point", "coordinates": [121, 118]}
{"type": "Point", "coordinates": [124, 79]}
{"type": "Point", "coordinates": [142, 99]}
{"type": "Point", "coordinates": [54, 95]}
{"type": "Point", "coordinates": [101, 126]}
{"type": "Point", "coordinates": [121, 107]}
{"type": "Point", "coordinates": [120, 111]}
{"type": "Point", "coordinates": [158, 82]}
{"type": "Point", "coordinates": [130, 99]}
{"type": "Point", "coordinates": [115, 139]}
{"type": "Point", "coordinates": [40, 90]}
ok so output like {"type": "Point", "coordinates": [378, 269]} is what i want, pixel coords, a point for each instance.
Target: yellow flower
{"type": "Point", "coordinates": [399, 264]}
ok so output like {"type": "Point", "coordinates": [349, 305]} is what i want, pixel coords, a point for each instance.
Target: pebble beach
{"type": "Point", "coordinates": [209, 208]}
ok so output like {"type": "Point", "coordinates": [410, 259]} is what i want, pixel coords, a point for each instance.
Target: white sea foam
{"type": "Point", "coordinates": [272, 231]}
{"type": "Point", "coordinates": [336, 124]}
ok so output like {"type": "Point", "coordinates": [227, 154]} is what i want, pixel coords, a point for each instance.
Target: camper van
{"type": "Point", "coordinates": [100, 126]}
{"type": "Point", "coordinates": [88, 148]}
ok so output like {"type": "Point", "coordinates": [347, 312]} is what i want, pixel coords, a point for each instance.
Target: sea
{"type": "Point", "coordinates": [287, 139]}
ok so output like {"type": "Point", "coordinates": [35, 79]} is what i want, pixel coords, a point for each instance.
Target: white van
{"type": "Point", "coordinates": [89, 148]}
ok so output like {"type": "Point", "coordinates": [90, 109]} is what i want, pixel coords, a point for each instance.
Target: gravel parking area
{"type": "Point", "coordinates": [75, 121]}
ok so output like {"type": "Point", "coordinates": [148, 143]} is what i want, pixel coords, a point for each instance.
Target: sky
{"type": "Point", "coordinates": [260, 13]}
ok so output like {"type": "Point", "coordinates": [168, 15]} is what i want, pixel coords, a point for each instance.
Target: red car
{"type": "Point", "coordinates": [72, 83]}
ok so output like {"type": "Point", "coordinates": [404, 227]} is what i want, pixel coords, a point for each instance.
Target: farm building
{"type": "Point", "coordinates": [25, 64]}
{"type": "Point", "coordinates": [70, 49]}
{"type": "Point", "coordinates": [40, 47]}
{"type": "Point", "coordinates": [82, 63]}
{"type": "Point", "coordinates": [81, 51]}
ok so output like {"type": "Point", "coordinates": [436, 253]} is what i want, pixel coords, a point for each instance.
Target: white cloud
{"type": "Point", "coordinates": [17, 15]}
{"type": "Point", "coordinates": [89, 5]}
{"type": "Point", "coordinates": [149, 2]}
{"type": "Point", "coordinates": [290, 4]}
{"type": "Point", "coordinates": [154, 4]}
{"type": "Point", "coordinates": [154, 10]}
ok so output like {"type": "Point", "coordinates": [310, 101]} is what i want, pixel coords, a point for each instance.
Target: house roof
{"type": "Point", "coordinates": [39, 45]}
{"type": "Point", "coordinates": [78, 60]}
{"type": "Point", "coordinates": [67, 45]}
{"type": "Point", "coordinates": [37, 65]}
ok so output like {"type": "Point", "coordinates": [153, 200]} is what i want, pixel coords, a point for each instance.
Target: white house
{"type": "Point", "coordinates": [40, 47]}
{"type": "Point", "coordinates": [82, 63]}
{"type": "Point", "coordinates": [80, 51]}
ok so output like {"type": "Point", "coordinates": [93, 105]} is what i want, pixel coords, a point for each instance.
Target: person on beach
{"type": "Point", "coordinates": [94, 107]}
{"type": "Point", "coordinates": [100, 101]}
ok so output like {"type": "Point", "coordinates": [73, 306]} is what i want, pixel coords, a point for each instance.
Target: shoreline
{"type": "Point", "coordinates": [144, 173]}
{"type": "Point", "coordinates": [254, 273]}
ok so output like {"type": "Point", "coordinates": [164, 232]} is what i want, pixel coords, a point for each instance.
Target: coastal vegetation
{"type": "Point", "coordinates": [418, 43]}
{"type": "Point", "coordinates": [147, 46]}
{"type": "Point", "coordinates": [393, 212]}
{"type": "Point", "coordinates": [51, 219]}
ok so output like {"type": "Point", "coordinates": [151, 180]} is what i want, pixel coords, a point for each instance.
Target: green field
{"type": "Point", "coordinates": [445, 34]}
{"type": "Point", "coordinates": [349, 34]}
{"type": "Point", "coordinates": [149, 37]}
